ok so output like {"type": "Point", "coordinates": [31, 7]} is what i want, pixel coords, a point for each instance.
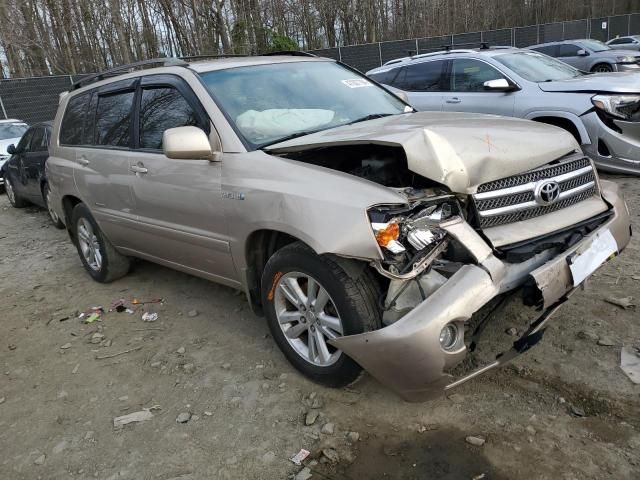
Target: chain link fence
{"type": "Point", "coordinates": [36, 99]}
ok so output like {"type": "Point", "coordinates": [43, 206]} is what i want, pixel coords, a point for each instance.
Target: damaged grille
{"type": "Point", "coordinates": [514, 199]}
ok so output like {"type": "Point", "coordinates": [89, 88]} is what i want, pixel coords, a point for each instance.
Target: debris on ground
{"type": "Point", "coordinates": [226, 366]}
{"type": "Point", "coordinates": [475, 441]}
{"type": "Point", "coordinates": [140, 416]}
{"type": "Point", "coordinates": [184, 417]}
{"type": "Point", "coordinates": [331, 455]}
{"type": "Point", "coordinates": [92, 315]}
{"type": "Point", "coordinates": [577, 411]}
{"type": "Point", "coordinates": [149, 316]}
{"type": "Point", "coordinates": [630, 363]}
{"type": "Point", "coordinates": [181, 351]}
{"type": "Point", "coordinates": [66, 346]}
{"type": "Point", "coordinates": [40, 460]}
{"type": "Point", "coordinates": [75, 369]}
{"type": "Point", "coordinates": [311, 417]}
{"type": "Point", "coordinates": [135, 301]}
{"type": "Point", "coordinates": [192, 313]}
{"type": "Point", "coordinates": [623, 302]}
{"type": "Point", "coordinates": [102, 357]}
{"type": "Point", "coordinates": [304, 474]}
{"type": "Point", "coordinates": [96, 338]}
{"type": "Point", "coordinates": [606, 342]}
{"type": "Point", "coordinates": [2, 399]}
{"type": "Point", "coordinates": [300, 456]}
{"type": "Point", "coordinates": [512, 331]}
{"type": "Point", "coordinates": [328, 428]}
{"type": "Point", "coordinates": [353, 437]}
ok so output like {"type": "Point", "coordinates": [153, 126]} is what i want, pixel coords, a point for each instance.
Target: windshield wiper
{"type": "Point", "coordinates": [301, 133]}
{"type": "Point", "coordinates": [371, 116]}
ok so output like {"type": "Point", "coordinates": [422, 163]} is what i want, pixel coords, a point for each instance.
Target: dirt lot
{"type": "Point", "coordinates": [563, 411]}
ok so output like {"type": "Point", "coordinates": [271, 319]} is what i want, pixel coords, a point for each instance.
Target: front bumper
{"type": "Point", "coordinates": [406, 355]}
{"type": "Point", "coordinates": [627, 67]}
{"type": "Point", "coordinates": [613, 151]}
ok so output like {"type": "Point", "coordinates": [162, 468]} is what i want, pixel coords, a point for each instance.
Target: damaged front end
{"type": "Point", "coordinates": [440, 272]}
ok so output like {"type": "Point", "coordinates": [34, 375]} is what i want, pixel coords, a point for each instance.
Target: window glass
{"type": "Point", "coordinates": [594, 45]}
{"type": "Point", "coordinates": [38, 141]}
{"type": "Point", "coordinates": [568, 50]}
{"type": "Point", "coordinates": [12, 130]}
{"type": "Point", "coordinates": [537, 68]}
{"type": "Point", "coordinates": [161, 109]}
{"type": "Point", "coordinates": [25, 142]}
{"type": "Point", "coordinates": [469, 75]}
{"type": "Point", "coordinates": [73, 120]}
{"type": "Point", "coordinates": [385, 77]}
{"type": "Point", "coordinates": [113, 119]}
{"type": "Point", "coordinates": [621, 41]}
{"type": "Point", "coordinates": [547, 50]}
{"type": "Point", "coordinates": [423, 77]}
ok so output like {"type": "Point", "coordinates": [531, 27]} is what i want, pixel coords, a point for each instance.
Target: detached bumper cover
{"type": "Point", "coordinates": [406, 356]}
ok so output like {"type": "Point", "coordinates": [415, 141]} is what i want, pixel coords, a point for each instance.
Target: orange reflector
{"type": "Point", "coordinates": [388, 234]}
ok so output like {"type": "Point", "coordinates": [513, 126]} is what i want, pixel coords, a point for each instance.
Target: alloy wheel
{"type": "Point", "coordinates": [308, 318]}
{"type": "Point", "coordinates": [89, 245]}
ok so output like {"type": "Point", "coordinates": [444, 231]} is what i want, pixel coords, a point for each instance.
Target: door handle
{"type": "Point", "coordinates": [83, 161]}
{"type": "Point", "coordinates": [453, 100]}
{"type": "Point", "coordinates": [138, 169]}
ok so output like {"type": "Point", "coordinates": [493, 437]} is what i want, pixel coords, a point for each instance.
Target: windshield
{"type": "Point", "coordinates": [12, 130]}
{"type": "Point", "coordinates": [595, 45]}
{"type": "Point", "coordinates": [269, 103]}
{"type": "Point", "coordinates": [537, 67]}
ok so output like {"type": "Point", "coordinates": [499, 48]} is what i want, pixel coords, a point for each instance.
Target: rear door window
{"type": "Point", "coordinates": [74, 120]}
{"type": "Point", "coordinates": [423, 77]}
{"type": "Point", "coordinates": [162, 108]}
{"type": "Point", "coordinates": [113, 119]}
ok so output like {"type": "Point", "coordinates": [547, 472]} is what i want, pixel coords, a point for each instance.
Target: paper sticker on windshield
{"type": "Point", "coordinates": [357, 83]}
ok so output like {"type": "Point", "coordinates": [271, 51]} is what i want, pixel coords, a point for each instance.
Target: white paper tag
{"type": "Point", "coordinates": [357, 83]}
{"type": "Point", "coordinates": [585, 263]}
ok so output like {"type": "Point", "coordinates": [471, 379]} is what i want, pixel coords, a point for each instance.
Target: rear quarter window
{"type": "Point", "coordinates": [74, 120]}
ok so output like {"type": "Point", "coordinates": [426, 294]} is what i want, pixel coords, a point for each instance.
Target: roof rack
{"type": "Point", "coordinates": [169, 61]}
{"type": "Point", "coordinates": [213, 55]}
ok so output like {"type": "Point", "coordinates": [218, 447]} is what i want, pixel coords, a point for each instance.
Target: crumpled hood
{"type": "Point", "coordinates": [614, 82]}
{"type": "Point", "coordinates": [459, 150]}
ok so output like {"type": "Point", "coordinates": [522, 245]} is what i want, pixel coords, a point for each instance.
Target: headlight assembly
{"type": "Point", "coordinates": [626, 59]}
{"type": "Point", "coordinates": [625, 107]}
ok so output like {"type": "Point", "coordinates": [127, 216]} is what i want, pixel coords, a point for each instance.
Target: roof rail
{"type": "Point", "coordinates": [213, 55]}
{"type": "Point", "coordinates": [153, 61]}
{"type": "Point", "coordinates": [294, 53]}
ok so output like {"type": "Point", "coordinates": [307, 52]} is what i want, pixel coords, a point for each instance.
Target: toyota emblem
{"type": "Point", "coordinates": [547, 192]}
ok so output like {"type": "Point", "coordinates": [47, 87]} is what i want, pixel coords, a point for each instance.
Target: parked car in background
{"type": "Point", "coordinates": [11, 131]}
{"type": "Point", "coordinates": [366, 232]}
{"type": "Point", "coordinates": [632, 42]}
{"type": "Point", "coordinates": [602, 111]}
{"type": "Point", "coordinates": [591, 55]}
{"type": "Point", "coordinates": [25, 179]}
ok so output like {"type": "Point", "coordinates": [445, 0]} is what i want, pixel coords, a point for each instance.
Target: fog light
{"type": "Point", "coordinates": [449, 336]}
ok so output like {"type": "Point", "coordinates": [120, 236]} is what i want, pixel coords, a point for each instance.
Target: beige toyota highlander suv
{"type": "Point", "coordinates": [366, 233]}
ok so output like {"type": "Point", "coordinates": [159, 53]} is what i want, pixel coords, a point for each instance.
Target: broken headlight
{"type": "Point", "coordinates": [408, 235]}
{"type": "Point", "coordinates": [625, 107]}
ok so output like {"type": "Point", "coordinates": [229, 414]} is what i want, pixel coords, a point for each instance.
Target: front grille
{"type": "Point", "coordinates": [513, 199]}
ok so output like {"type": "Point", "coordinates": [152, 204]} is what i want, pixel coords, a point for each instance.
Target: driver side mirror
{"type": "Point", "coordinates": [11, 149]}
{"type": "Point", "coordinates": [190, 143]}
{"type": "Point", "coordinates": [498, 85]}
{"type": "Point", "coordinates": [582, 53]}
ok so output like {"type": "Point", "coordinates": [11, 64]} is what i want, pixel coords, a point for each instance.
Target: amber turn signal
{"type": "Point", "coordinates": [388, 234]}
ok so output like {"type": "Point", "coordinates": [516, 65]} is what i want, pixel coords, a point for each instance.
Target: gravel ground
{"type": "Point", "coordinates": [565, 410]}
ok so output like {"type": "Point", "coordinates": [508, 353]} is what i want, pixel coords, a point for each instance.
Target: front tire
{"type": "Point", "coordinates": [602, 68]}
{"type": "Point", "coordinates": [100, 259]}
{"type": "Point", "coordinates": [309, 299]}
{"type": "Point", "coordinates": [53, 216]}
{"type": "Point", "coordinates": [15, 200]}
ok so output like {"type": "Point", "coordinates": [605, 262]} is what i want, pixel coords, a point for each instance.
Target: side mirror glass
{"type": "Point", "coordinates": [189, 143]}
{"type": "Point", "coordinates": [498, 85]}
{"type": "Point", "coordinates": [582, 53]}
{"type": "Point", "coordinates": [11, 149]}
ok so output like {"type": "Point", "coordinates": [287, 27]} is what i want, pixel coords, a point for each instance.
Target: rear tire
{"type": "Point", "coordinates": [100, 259]}
{"type": "Point", "coordinates": [602, 68]}
{"type": "Point", "coordinates": [53, 216]}
{"type": "Point", "coordinates": [15, 200]}
{"type": "Point", "coordinates": [334, 298]}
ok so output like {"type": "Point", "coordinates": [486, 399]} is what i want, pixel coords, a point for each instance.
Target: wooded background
{"type": "Point", "coordinates": [45, 37]}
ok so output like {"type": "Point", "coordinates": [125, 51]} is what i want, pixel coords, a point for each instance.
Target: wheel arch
{"type": "Point", "coordinates": [68, 204]}
{"type": "Point", "coordinates": [565, 120]}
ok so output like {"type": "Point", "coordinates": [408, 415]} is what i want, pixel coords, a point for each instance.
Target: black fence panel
{"type": "Point", "coordinates": [525, 36]}
{"type": "Point", "coordinates": [467, 40]}
{"type": "Point", "coordinates": [634, 24]}
{"type": "Point", "coordinates": [327, 52]}
{"type": "Point", "coordinates": [498, 37]}
{"type": "Point", "coordinates": [33, 99]}
{"type": "Point", "coordinates": [361, 57]}
{"type": "Point", "coordinates": [599, 29]}
{"type": "Point", "coordinates": [550, 32]}
{"type": "Point", "coordinates": [618, 26]}
{"type": "Point", "coordinates": [433, 44]}
{"type": "Point", "coordinates": [399, 49]}
{"type": "Point", "coordinates": [576, 29]}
